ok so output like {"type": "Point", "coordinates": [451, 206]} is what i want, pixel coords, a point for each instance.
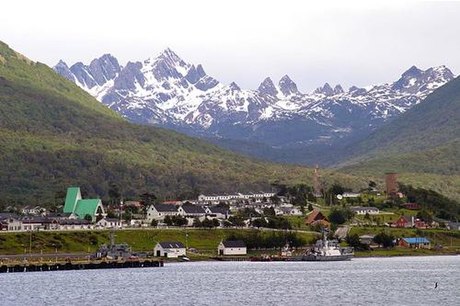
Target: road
{"type": "Point", "coordinates": [342, 232]}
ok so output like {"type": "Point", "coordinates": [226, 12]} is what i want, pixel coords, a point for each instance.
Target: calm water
{"type": "Point", "coordinates": [376, 281]}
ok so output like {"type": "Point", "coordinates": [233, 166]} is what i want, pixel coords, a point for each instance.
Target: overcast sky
{"type": "Point", "coordinates": [351, 43]}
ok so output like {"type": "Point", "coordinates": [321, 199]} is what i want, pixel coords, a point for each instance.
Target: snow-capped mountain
{"type": "Point", "coordinates": [167, 91]}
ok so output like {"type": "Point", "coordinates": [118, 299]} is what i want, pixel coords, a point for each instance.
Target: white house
{"type": "Point", "coordinates": [171, 249]}
{"type": "Point", "coordinates": [351, 195]}
{"type": "Point", "coordinates": [360, 210]}
{"type": "Point", "coordinates": [37, 210]}
{"type": "Point", "coordinates": [109, 223]}
{"type": "Point", "coordinates": [10, 224]}
{"type": "Point", "coordinates": [232, 247]}
{"type": "Point", "coordinates": [237, 196]}
{"type": "Point", "coordinates": [288, 211]}
{"type": "Point", "coordinates": [216, 212]}
{"type": "Point", "coordinates": [160, 211]}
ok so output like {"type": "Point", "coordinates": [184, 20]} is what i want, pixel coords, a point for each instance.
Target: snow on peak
{"type": "Point", "coordinates": [234, 86]}
{"type": "Point", "coordinates": [325, 90]}
{"type": "Point", "coordinates": [267, 87]}
{"type": "Point", "coordinates": [287, 86]}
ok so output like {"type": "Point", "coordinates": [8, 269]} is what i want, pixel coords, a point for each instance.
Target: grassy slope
{"type": "Point", "coordinates": [204, 240]}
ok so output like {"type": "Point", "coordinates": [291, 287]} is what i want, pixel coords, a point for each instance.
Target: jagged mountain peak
{"type": "Point", "coordinates": [416, 80]}
{"type": "Point", "coordinates": [61, 63]}
{"type": "Point", "coordinates": [287, 86]}
{"type": "Point", "coordinates": [326, 90]}
{"type": "Point", "coordinates": [234, 86]}
{"type": "Point", "coordinates": [171, 58]}
{"type": "Point", "coordinates": [267, 87]}
{"type": "Point", "coordinates": [338, 89]}
{"type": "Point", "coordinates": [412, 71]}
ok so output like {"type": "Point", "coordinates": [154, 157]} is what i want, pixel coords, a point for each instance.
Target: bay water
{"type": "Point", "coordinates": [361, 281]}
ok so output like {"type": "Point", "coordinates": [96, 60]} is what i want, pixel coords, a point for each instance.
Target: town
{"type": "Point", "coordinates": [359, 219]}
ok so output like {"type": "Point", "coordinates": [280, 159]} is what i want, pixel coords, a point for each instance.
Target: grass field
{"type": "Point", "coordinates": [204, 240]}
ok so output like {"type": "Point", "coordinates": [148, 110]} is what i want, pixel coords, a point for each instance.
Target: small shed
{"type": "Point", "coordinates": [232, 247]}
{"type": "Point", "coordinates": [169, 249]}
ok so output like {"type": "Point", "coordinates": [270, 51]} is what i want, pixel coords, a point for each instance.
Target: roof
{"type": "Point", "coordinates": [8, 216]}
{"type": "Point", "coordinates": [405, 218]}
{"type": "Point", "coordinates": [165, 208]}
{"type": "Point", "coordinates": [73, 195]}
{"type": "Point", "coordinates": [315, 215]}
{"type": "Point", "coordinates": [74, 222]}
{"type": "Point", "coordinates": [218, 210]}
{"type": "Point", "coordinates": [234, 244]}
{"type": "Point", "coordinates": [171, 245]}
{"type": "Point", "coordinates": [87, 207]}
{"type": "Point", "coordinates": [416, 240]}
{"type": "Point", "coordinates": [193, 209]}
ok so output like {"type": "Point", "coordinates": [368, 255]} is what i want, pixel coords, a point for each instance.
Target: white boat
{"type": "Point", "coordinates": [326, 250]}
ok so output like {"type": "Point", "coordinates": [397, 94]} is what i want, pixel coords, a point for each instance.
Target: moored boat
{"type": "Point", "coordinates": [326, 250]}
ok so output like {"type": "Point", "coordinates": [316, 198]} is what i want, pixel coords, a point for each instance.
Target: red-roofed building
{"type": "Point", "coordinates": [315, 216]}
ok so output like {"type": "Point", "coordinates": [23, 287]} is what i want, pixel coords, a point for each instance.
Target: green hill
{"type": "Point", "coordinates": [54, 135]}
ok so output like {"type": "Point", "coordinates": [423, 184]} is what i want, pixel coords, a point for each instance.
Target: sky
{"type": "Point", "coordinates": [340, 42]}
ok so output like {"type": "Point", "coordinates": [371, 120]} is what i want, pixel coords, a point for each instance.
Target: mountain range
{"type": "Point", "coordinates": [54, 135]}
{"type": "Point", "coordinates": [275, 121]}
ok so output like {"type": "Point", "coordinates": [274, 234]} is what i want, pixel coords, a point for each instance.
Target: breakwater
{"type": "Point", "coordinates": [80, 266]}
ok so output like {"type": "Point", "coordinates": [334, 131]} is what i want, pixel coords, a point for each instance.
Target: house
{"type": "Point", "coordinates": [169, 249]}
{"type": "Point", "coordinates": [10, 222]}
{"type": "Point", "coordinates": [36, 210]}
{"type": "Point", "coordinates": [411, 206]}
{"type": "Point", "coordinates": [74, 224]}
{"type": "Point", "coordinates": [415, 242]}
{"type": "Point", "coordinates": [236, 196]}
{"type": "Point", "coordinates": [362, 210]}
{"type": "Point", "coordinates": [288, 211]}
{"type": "Point", "coordinates": [315, 217]}
{"type": "Point", "coordinates": [351, 195]}
{"type": "Point", "coordinates": [33, 223]}
{"type": "Point", "coordinates": [232, 247]}
{"type": "Point", "coordinates": [216, 212]}
{"type": "Point", "coordinates": [160, 211]}
{"type": "Point", "coordinates": [366, 239]}
{"type": "Point", "coordinates": [453, 225]}
{"type": "Point", "coordinates": [81, 208]}
{"type": "Point", "coordinates": [109, 223]}
{"type": "Point", "coordinates": [191, 211]}
{"type": "Point", "coordinates": [404, 221]}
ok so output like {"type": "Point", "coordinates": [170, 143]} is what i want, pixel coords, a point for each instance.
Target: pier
{"type": "Point", "coordinates": [41, 267]}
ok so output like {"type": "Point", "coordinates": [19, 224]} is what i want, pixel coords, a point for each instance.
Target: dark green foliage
{"type": "Point", "coordinates": [255, 240]}
{"type": "Point", "coordinates": [235, 221]}
{"type": "Point", "coordinates": [340, 215]}
{"type": "Point", "coordinates": [430, 200]}
{"type": "Point", "coordinates": [383, 239]}
{"type": "Point", "coordinates": [269, 211]}
{"type": "Point", "coordinates": [175, 220]}
{"type": "Point", "coordinates": [353, 241]}
{"type": "Point", "coordinates": [210, 223]}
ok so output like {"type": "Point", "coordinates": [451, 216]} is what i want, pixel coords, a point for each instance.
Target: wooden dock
{"type": "Point", "coordinates": [90, 265]}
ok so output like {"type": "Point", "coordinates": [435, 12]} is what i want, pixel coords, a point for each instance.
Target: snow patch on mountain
{"type": "Point", "coordinates": [166, 90]}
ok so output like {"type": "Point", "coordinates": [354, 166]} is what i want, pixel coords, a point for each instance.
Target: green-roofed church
{"type": "Point", "coordinates": [79, 208]}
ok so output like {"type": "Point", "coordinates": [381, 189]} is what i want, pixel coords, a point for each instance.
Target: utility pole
{"type": "Point", "coordinates": [30, 242]}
